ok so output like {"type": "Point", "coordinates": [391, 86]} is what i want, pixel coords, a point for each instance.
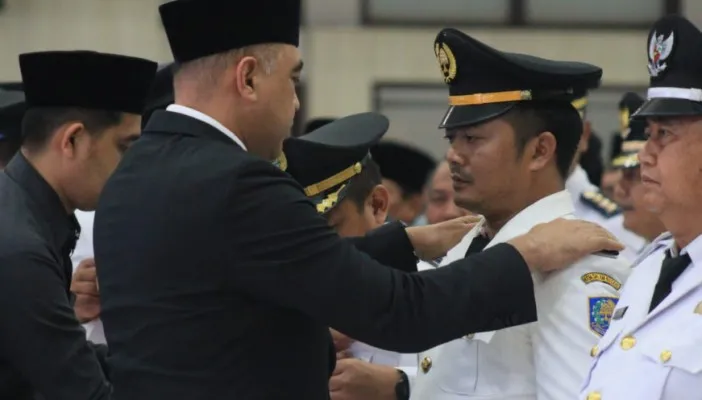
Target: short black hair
{"type": "Point", "coordinates": [362, 185]}
{"type": "Point", "coordinates": [38, 124]}
{"type": "Point", "coordinates": [530, 118]}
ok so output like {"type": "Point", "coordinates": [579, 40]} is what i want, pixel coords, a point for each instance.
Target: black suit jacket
{"type": "Point", "coordinates": [218, 278]}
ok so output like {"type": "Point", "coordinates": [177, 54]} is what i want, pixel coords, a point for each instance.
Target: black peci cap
{"type": "Point", "coordinates": [326, 160]}
{"type": "Point", "coordinates": [403, 164]}
{"type": "Point", "coordinates": [86, 79]}
{"type": "Point", "coordinates": [485, 83]}
{"type": "Point", "coordinates": [675, 69]}
{"type": "Point", "coordinates": [200, 28]}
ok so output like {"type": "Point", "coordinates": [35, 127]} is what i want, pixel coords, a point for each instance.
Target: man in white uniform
{"type": "Point", "coordinates": [653, 349]}
{"type": "Point", "coordinates": [513, 135]}
{"type": "Point", "coordinates": [629, 191]}
{"type": "Point", "coordinates": [590, 202]}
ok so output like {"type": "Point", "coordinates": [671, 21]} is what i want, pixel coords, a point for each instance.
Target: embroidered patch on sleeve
{"type": "Point", "coordinates": [601, 310]}
{"type": "Point", "coordinates": [601, 277]}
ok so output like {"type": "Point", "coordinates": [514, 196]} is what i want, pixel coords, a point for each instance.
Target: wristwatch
{"type": "Point", "coordinates": [402, 388]}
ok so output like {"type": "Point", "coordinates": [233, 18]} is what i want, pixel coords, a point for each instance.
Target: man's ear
{"type": "Point", "coordinates": [543, 150]}
{"type": "Point", "coordinates": [245, 74]}
{"type": "Point", "coordinates": [68, 137]}
{"type": "Point", "coordinates": [379, 202]}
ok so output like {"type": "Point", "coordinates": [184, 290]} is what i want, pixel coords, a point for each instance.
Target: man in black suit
{"type": "Point", "coordinates": [82, 111]}
{"type": "Point", "coordinates": [218, 276]}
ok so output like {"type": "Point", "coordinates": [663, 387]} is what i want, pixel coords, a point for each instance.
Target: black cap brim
{"type": "Point", "coordinates": [364, 129]}
{"type": "Point", "coordinates": [668, 107]}
{"type": "Point", "coordinates": [465, 116]}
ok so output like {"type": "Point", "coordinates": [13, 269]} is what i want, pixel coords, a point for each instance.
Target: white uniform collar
{"type": "Point", "coordinates": [544, 210]}
{"type": "Point", "coordinates": [192, 113]}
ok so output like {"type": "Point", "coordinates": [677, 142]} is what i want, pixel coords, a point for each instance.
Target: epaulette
{"type": "Point", "coordinates": [600, 203]}
{"type": "Point", "coordinates": [661, 241]}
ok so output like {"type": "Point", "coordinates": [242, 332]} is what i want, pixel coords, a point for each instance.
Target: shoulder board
{"type": "Point", "coordinates": [600, 203]}
{"type": "Point", "coordinates": [663, 240]}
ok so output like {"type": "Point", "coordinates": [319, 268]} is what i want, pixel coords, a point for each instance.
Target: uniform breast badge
{"type": "Point", "coordinates": [601, 310]}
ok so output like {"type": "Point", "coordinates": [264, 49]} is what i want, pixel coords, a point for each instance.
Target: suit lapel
{"type": "Point", "coordinates": [172, 122]}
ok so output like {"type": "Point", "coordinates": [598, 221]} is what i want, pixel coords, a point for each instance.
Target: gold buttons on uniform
{"type": "Point", "coordinates": [594, 396]}
{"type": "Point", "coordinates": [594, 351]}
{"type": "Point", "coordinates": [426, 364]}
{"type": "Point", "coordinates": [628, 342]}
{"type": "Point", "coordinates": [666, 355]}
{"type": "Point", "coordinates": [469, 336]}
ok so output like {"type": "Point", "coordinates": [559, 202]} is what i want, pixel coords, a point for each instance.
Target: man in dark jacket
{"type": "Point", "coordinates": [219, 278]}
{"type": "Point", "coordinates": [83, 111]}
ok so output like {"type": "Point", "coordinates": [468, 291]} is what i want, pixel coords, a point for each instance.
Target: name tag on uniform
{"type": "Point", "coordinates": [619, 313]}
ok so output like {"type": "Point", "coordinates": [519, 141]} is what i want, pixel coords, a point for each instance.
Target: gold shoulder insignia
{"type": "Point", "coordinates": [281, 162]}
{"type": "Point", "coordinates": [597, 201]}
{"type": "Point", "coordinates": [601, 277]}
{"type": "Point", "coordinates": [447, 61]}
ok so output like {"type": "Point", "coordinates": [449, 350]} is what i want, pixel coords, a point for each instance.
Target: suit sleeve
{"type": "Point", "coordinates": [41, 338]}
{"type": "Point", "coordinates": [575, 307]}
{"type": "Point", "coordinates": [389, 245]}
{"type": "Point", "coordinates": [290, 257]}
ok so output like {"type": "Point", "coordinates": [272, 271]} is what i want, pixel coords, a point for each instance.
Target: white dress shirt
{"type": "Point", "coordinates": [84, 249]}
{"type": "Point", "coordinates": [546, 360]}
{"type": "Point", "coordinates": [576, 185]}
{"type": "Point", "coordinates": [177, 108]}
{"type": "Point", "coordinates": [656, 355]}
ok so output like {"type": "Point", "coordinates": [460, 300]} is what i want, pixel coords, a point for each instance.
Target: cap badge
{"type": "Point", "coordinates": [624, 122]}
{"type": "Point", "coordinates": [659, 49]}
{"type": "Point", "coordinates": [447, 61]}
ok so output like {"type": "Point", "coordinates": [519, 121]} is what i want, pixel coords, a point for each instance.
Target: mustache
{"type": "Point", "coordinates": [457, 174]}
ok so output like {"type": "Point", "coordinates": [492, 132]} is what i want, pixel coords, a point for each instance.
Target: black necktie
{"type": "Point", "coordinates": [670, 271]}
{"type": "Point", "coordinates": [478, 244]}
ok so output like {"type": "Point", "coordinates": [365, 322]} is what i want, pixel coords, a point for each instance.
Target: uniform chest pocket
{"type": "Point", "coordinates": [682, 351]}
{"type": "Point", "coordinates": [457, 369]}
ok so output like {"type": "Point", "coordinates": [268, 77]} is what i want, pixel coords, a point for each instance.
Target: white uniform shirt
{"type": "Point", "coordinates": [546, 360]}
{"type": "Point", "coordinates": [657, 355]}
{"type": "Point", "coordinates": [407, 362]}
{"type": "Point", "coordinates": [84, 249]}
{"type": "Point", "coordinates": [578, 184]}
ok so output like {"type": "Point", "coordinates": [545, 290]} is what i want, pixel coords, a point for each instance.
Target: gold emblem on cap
{"type": "Point", "coordinates": [666, 355]}
{"type": "Point", "coordinates": [628, 342]}
{"type": "Point", "coordinates": [624, 122]}
{"type": "Point", "coordinates": [425, 364]}
{"type": "Point", "coordinates": [698, 308]}
{"type": "Point", "coordinates": [447, 61]}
